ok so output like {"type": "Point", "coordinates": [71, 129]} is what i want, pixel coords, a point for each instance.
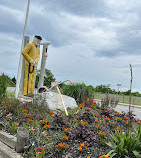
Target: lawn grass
{"type": "Point", "coordinates": [122, 98]}
{"type": "Point", "coordinates": [82, 134]}
{"type": "Point", "coordinates": [10, 94]}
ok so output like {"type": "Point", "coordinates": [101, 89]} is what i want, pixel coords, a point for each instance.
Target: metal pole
{"type": "Point", "coordinates": [21, 57]}
{"type": "Point", "coordinates": [117, 91]}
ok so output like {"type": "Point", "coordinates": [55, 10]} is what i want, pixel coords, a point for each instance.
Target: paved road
{"type": "Point", "coordinates": [136, 111]}
{"type": "Point", "coordinates": [125, 108]}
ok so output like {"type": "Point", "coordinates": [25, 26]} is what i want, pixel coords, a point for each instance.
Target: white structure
{"type": "Point", "coordinates": [21, 57]}
{"type": "Point", "coordinates": [43, 63]}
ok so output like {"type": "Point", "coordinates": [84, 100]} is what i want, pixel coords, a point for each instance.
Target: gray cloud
{"type": "Point", "coordinates": [93, 40]}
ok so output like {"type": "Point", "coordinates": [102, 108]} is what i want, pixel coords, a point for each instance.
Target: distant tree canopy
{"type": "Point", "coordinates": [14, 80]}
{"type": "Point", "coordinates": [106, 89]}
{"type": "Point", "coordinates": [5, 81]}
{"type": "Point", "coordinates": [48, 78]}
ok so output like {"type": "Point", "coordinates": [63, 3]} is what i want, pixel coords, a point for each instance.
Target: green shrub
{"type": "Point", "coordinates": [48, 78]}
{"type": "Point", "coordinates": [79, 91]}
{"type": "Point", "coordinates": [124, 144]}
{"type": "Point", "coordinates": [3, 85]}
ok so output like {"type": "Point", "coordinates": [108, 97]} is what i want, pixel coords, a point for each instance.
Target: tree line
{"type": "Point", "coordinates": [49, 77]}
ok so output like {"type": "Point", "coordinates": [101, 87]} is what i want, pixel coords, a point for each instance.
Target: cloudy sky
{"type": "Point", "coordinates": [92, 41]}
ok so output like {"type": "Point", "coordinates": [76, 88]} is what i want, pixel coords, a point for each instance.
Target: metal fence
{"type": "Point", "coordinates": [121, 98]}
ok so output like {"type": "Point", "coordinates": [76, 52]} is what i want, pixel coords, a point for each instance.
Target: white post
{"type": "Point", "coordinates": [43, 64]}
{"type": "Point", "coordinates": [21, 57]}
{"type": "Point", "coordinates": [21, 83]}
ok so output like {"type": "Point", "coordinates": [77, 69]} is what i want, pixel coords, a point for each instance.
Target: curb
{"type": "Point", "coordinates": [8, 139]}
{"type": "Point", "coordinates": [8, 146]}
{"type": "Point", "coordinates": [7, 152]}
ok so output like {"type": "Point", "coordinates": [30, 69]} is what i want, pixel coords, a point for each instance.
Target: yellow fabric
{"type": "Point", "coordinates": [30, 52]}
{"type": "Point", "coordinates": [29, 82]}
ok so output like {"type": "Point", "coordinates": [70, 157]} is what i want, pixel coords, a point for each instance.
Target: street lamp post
{"type": "Point", "coordinates": [21, 57]}
{"type": "Point", "coordinates": [117, 91]}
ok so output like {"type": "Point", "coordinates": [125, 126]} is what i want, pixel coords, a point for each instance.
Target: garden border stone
{"type": "Point", "coordinates": [8, 139]}
{"type": "Point", "coordinates": [7, 152]}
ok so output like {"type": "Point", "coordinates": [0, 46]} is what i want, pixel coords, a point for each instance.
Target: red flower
{"type": "Point", "coordinates": [39, 149]}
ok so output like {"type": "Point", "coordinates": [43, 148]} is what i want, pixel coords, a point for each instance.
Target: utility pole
{"type": "Point", "coordinates": [21, 57]}
{"type": "Point", "coordinates": [117, 91]}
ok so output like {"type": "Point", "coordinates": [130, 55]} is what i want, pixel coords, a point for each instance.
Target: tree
{"type": "Point", "coordinates": [14, 80]}
{"type": "Point", "coordinates": [3, 84]}
{"type": "Point", "coordinates": [48, 78]}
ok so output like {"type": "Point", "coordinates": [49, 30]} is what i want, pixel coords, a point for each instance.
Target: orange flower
{"type": "Point", "coordinates": [30, 120]}
{"type": "Point", "coordinates": [83, 123]}
{"type": "Point", "coordinates": [118, 118]}
{"type": "Point", "coordinates": [139, 122]}
{"type": "Point", "coordinates": [25, 111]}
{"type": "Point", "coordinates": [64, 138]}
{"type": "Point", "coordinates": [127, 123]}
{"type": "Point", "coordinates": [107, 119]}
{"type": "Point", "coordinates": [81, 145]}
{"type": "Point", "coordinates": [51, 112]}
{"type": "Point", "coordinates": [27, 115]}
{"type": "Point", "coordinates": [46, 126]}
{"type": "Point", "coordinates": [67, 130]}
{"type": "Point", "coordinates": [96, 114]}
{"type": "Point", "coordinates": [62, 145]}
{"type": "Point", "coordinates": [80, 149]}
{"type": "Point", "coordinates": [104, 156]}
{"type": "Point", "coordinates": [70, 113]}
{"type": "Point", "coordinates": [102, 134]}
{"type": "Point", "coordinates": [118, 127]}
{"type": "Point", "coordinates": [75, 120]}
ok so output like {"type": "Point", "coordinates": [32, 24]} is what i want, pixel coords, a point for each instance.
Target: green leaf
{"type": "Point", "coordinates": [136, 154]}
{"type": "Point", "coordinates": [109, 153]}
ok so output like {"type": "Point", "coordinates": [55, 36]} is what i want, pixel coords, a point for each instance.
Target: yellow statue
{"type": "Point", "coordinates": [31, 53]}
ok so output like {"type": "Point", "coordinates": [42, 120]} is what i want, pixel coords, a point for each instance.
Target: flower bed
{"type": "Point", "coordinates": [83, 134]}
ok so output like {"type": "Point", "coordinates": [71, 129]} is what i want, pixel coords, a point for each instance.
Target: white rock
{"type": "Point", "coordinates": [54, 102]}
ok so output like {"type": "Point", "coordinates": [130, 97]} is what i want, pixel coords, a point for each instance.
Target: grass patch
{"type": "Point", "coordinates": [121, 98]}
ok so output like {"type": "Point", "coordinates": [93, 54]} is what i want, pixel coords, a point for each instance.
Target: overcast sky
{"type": "Point", "coordinates": [92, 41]}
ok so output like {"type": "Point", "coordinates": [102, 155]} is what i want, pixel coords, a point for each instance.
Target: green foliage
{"type": "Point", "coordinates": [103, 89]}
{"type": "Point", "coordinates": [13, 80]}
{"type": "Point", "coordinates": [125, 144]}
{"type": "Point", "coordinates": [79, 91]}
{"type": "Point", "coordinates": [3, 85]}
{"type": "Point", "coordinates": [48, 78]}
